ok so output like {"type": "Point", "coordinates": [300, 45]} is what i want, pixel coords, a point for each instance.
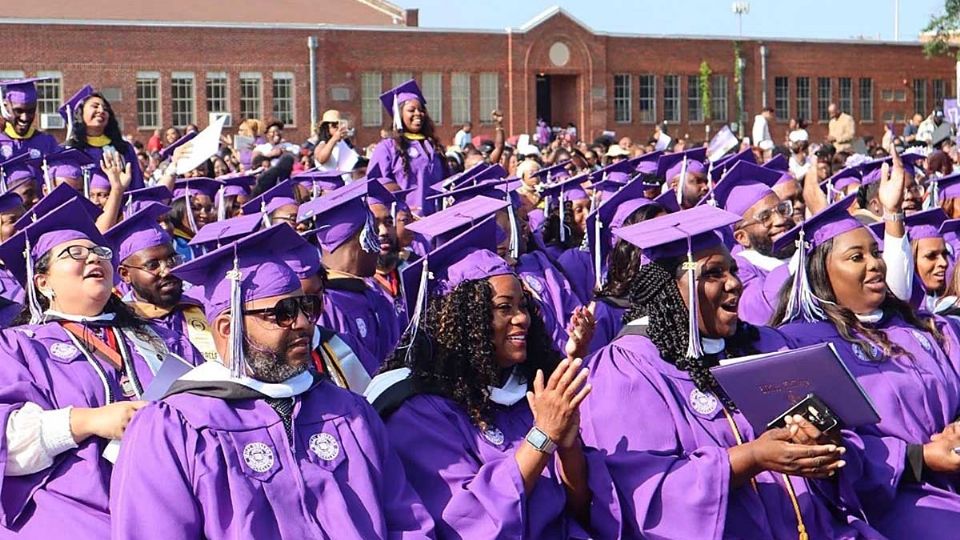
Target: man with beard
{"type": "Point", "coordinates": [350, 248]}
{"type": "Point", "coordinates": [19, 111]}
{"type": "Point", "coordinates": [387, 276]}
{"type": "Point", "coordinates": [693, 186]}
{"type": "Point", "coordinates": [146, 259]}
{"type": "Point", "coordinates": [260, 446]}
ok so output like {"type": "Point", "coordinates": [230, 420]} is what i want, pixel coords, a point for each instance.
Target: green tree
{"type": "Point", "coordinates": [943, 27]}
{"type": "Point", "coordinates": [705, 93]}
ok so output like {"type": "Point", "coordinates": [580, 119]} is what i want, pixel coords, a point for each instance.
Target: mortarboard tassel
{"type": "Point", "coordinates": [420, 305]}
{"type": "Point", "coordinates": [188, 206]}
{"type": "Point", "coordinates": [36, 314]}
{"type": "Point", "coordinates": [393, 212]}
{"type": "Point", "coordinates": [47, 180]}
{"type": "Point", "coordinates": [713, 198]}
{"type": "Point", "coordinates": [681, 182]}
{"type": "Point", "coordinates": [802, 303]}
{"type": "Point", "coordinates": [221, 205]}
{"type": "Point", "coordinates": [264, 217]}
{"type": "Point", "coordinates": [934, 199]}
{"type": "Point", "coordinates": [597, 261]}
{"type": "Point", "coordinates": [694, 347]}
{"type": "Point", "coordinates": [397, 120]}
{"type": "Point", "coordinates": [236, 318]}
{"type": "Point", "coordinates": [369, 239]}
{"type": "Point", "coordinates": [514, 231]}
{"type": "Point", "coordinates": [314, 190]}
{"type": "Point", "coordinates": [86, 185]}
{"type": "Point", "coordinates": [563, 226]}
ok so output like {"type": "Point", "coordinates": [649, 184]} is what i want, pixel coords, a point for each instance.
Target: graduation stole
{"type": "Point", "coordinates": [413, 136]}
{"type": "Point", "coordinates": [198, 331]}
{"type": "Point", "coordinates": [98, 141]}
{"type": "Point", "coordinates": [8, 129]}
{"type": "Point", "coordinates": [180, 233]}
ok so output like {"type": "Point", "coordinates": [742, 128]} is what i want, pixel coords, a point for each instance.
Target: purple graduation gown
{"type": "Point", "coordinates": [129, 156]}
{"type": "Point", "coordinates": [13, 295]}
{"type": "Point", "coordinates": [916, 397]}
{"type": "Point", "coordinates": [175, 323]}
{"type": "Point", "coordinates": [552, 291]}
{"type": "Point", "coordinates": [41, 365]}
{"type": "Point", "coordinates": [761, 289]}
{"type": "Point", "coordinates": [577, 264]}
{"type": "Point", "coordinates": [354, 306]}
{"type": "Point", "coordinates": [668, 456]}
{"type": "Point", "coordinates": [426, 167]}
{"type": "Point", "coordinates": [471, 483]}
{"type": "Point", "coordinates": [185, 471]}
{"type": "Point", "coordinates": [40, 144]}
{"type": "Point", "coordinates": [608, 313]}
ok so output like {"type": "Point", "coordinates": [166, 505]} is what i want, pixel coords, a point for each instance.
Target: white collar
{"type": "Point", "coordinates": [945, 303]}
{"type": "Point", "coordinates": [511, 392]}
{"type": "Point", "coordinates": [870, 318]}
{"type": "Point", "coordinates": [763, 262]}
{"type": "Point", "coordinates": [713, 346]}
{"type": "Point", "coordinates": [80, 318]}
{"type": "Point", "coordinates": [642, 321]}
{"type": "Point", "coordinates": [217, 372]}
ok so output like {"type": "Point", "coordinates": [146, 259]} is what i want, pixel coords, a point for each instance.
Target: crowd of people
{"type": "Point", "coordinates": [505, 337]}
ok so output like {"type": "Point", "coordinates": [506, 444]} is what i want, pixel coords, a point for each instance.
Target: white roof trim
{"type": "Point", "coordinates": [548, 14]}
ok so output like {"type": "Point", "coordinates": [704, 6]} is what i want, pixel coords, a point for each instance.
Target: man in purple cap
{"type": "Point", "coordinates": [260, 446]}
{"type": "Point", "coordinates": [684, 171]}
{"type": "Point", "coordinates": [17, 176]}
{"type": "Point", "coordinates": [868, 195]}
{"type": "Point", "coordinates": [19, 111]}
{"type": "Point", "coordinates": [11, 293]}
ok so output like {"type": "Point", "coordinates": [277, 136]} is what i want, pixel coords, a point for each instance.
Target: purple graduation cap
{"type": "Point", "coordinates": [270, 200]}
{"type": "Point", "coordinates": [303, 258]}
{"type": "Point", "coordinates": [668, 201]}
{"type": "Point", "coordinates": [138, 232]}
{"type": "Point", "coordinates": [553, 173]}
{"type": "Point", "coordinates": [950, 231]}
{"type": "Point", "coordinates": [394, 99]}
{"type": "Point", "coordinates": [232, 186]}
{"type": "Point", "coordinates": [68, 221]}
{"type": "Point", "coordinates": [67, 163]}
{"type": "Point", "coordinates": [340, 214]}
{"type": "Point", "coordinates": [56, 198]}
{"type": "Point", "coordinates": [440, 227]}
{"type": "Point", "coordinates": [840, 181]}
{"type": "Point", "coordinates": [187, 187]}
{"type": "Point", "coordinates": [98, 180]}
{"type": "Point", "coordinates": [872, 170]}
{"type": "Point", "coordinates": [684, 233]}
{"type": "Point", "coordinates": [320, 182]}
{"type": "Point", "coordinates": [742, 187]}
{"type": "Point", "coordinates": [925, 224]}
{"type": "Point", "coordinates": [138, 198]}
{"type": "Point", "coordinates": [220, 233]}
{"type": "Point", "coordinates": [723, 165]}
{"type": "Point", "coordinates": [647, 163]}
{"type": "Point", "coordinates": [778, 163]}
{"type": "Point", "coordinates": [10, 201]}
{"type": "Point", "coordinates": [669, 165]}
{"type": "Point", "coordinates": [461, 179]}
{"type": "Point", "coordinates": [69, 108]}
{"type": "Point", "coordinates": [569, 189]}
{"type": "Point", "coordinates": [241, 272]}
{"type": "Point", "coordinates": [829, 223]}
{"type": "Point", "coordinates": [167, 151]}
{"type": "Point", "coordinates": [21, 91]}
{"type": "Point", "coordinates": [621, 171]}
{"type": "Point", "coordinates": [15, 171]}
{"type": "Point", "coordinates": [496, 189]}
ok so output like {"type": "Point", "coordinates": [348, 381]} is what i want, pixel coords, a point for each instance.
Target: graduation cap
{"type": "Point", "coordinates": [569, 189]}
{"type": "Point", "coordinates": [826, 225]}
{"type": "Point", "coordinates": [723, 165]}
{"type": "Point", "coordinates": [553, 173]}
{"type": "Point", "coordinates": [669, 165]}
{"type": "Point", "coordinates": [10, 201]}
{"type": "Point", "coordinates": [950, 231]}
{"type": "Point", "coordinates": [303, 258]}
{"type": "Point", "coordinates": [621, 171]}
{"type": "Point", "coordinates": [220, 233]}
{"type": "Point", "coordinates": [443, 225]}
{"type": "Point", "coordinates": [241, 272]}
{"type": "Point", "coordinates": [839, 182]}
{"type": "Point", "coordinates": [66, 222]}
{"type": "Point", "coordinates": [778, 163]}
{"type": "Point", "coordinates": [949, 186]}
{"type": "Point", "coordinates": [394, 98]}
{"type": "Point", "coordinates": [339, 214]}
{"type": "Point", "coordinates": [188, 187]}
{"type": "Point", "coordinates": [167, 151]}
{"type": "Point", "coordinates": [138, 232]}
{"type": "Point", "coordinates": [138, 198]}
{"type": "Point", "coordinates": [668, 201]}
{"type": "Point", "coordinates": [16, 171]}
{"type": "Point", "coordinates": [56, 198]}
{"type": "Point", "coordinates": [65, 163]}
{"type": "Point", "coordinates": [318, 182]}
{"type": "Point", "coordinates": [69, 107]}
{"type": "Point", "coordinates": [872, 170]}
{"type": "Point", "coordinates": [495, 189]}
{"type": "Point", "coordinates": [684, 233]}
{"type": "Point", "coordinates": [21, 91]}
{"type": "Point", "coordinates": [743, 186]}
{"type": "Point", "coordinates": [232, 186]}
{"type": "Point", "coordinates": [647, 163]}
{"type": "Point", "coordinates": [266, 203]}
{"type": "Point", "coordinates": [925, 224]}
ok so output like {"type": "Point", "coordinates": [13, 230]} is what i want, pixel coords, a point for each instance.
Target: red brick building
{"type": "Point", "coordinates": [158, 72]}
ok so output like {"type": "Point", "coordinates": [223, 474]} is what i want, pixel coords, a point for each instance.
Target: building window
{"type": "Point", "coordinates": [920, 96]}
{"type": "Point", "coordinates": [283, 101]}
{"type": "Point", "coordinates": [900, 95]}
{"type": "Point", "coordinates": [7, 74]}
{"type": "Point", "coordinates": [939, 93]}
{"type": "Point", "coordinates": [824, 93]}
{"type": "Point", "coordinates": [694, 111]}
{"type": "Point", "coordinates": [781, 98]}
{"type": "Point", "coordinates": [49, 92]}
{"type": "Point", "coordinates": [371, 111]}
{"type": "Point", "coordinates": [866, 100]}
{"type": "Point", "coordinates": [148, 100]}
{"type": "Point", "coordinates": [251, 95]}
{"type": "Point", "coordinates": [460, 97]}
{"type": "Point", "coordinates": [399, 77]}
{"type": "Point", "coordinates": [218, 101]}
{"type": "Point", "coordinates": [433, 93]}
{"type": "Point", "coordinates": [622, 98]}
{"type": "Point", "coordinates": [803, 98]}
{"type": "Point", "coordinates": [846, 94]}
{"type": "Point", "coordinates": [719, 102]}
{"type": "Point", "coordinates": [489, 96]}
{"type": "Point", "coordinates": [647, 92]}
{"type": "Point", "coordinates": [182, 99]}
{"type": "Point", "coordinates": [671, 98]}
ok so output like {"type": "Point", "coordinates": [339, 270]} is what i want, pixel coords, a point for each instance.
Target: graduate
{"type": "Point", "coordinates": [904, 468]}
{"type": "Point", "coordinates": [11, 293]}
{"type": "Point", "coordinates": [72, 377]}
{"type": "Point", "coordinates": [93, 129]}
{"type": "Point", "coordinates": [65, 166]}
{"type": "Point", "coordinates": [931, 258]}
{"type": "Point", "coordinates": [689, 164]}
{"type": "Point", "coordinates": [260, 446]}
{"type": "Point", "coordinates": [315, 183]}
{"type": "Point", "coordinates": [276, 205]}
{"type": "Point", "coordinates": [191, 209]}
{"type": "Point", "coordinates": [413, 156]}
{"type": "Point", "coordinates": [235, 191]}
{"type": "Point", "coordinates": [564, 234]}
{"type": "Point", "coordinates": [350, 246]}
{"type": "Point", "coordinates": [684, 461]}
{"type": "Point", "coordinates": [17, 176]}
{"type": "Point", "coordinates": [146, 260]}
{"type": "Point", "coordinates": [482, 410]}
{"type": "Point", "coordinates": [137, 199]}
{"type": "Point", "coordinates": [19, 135]}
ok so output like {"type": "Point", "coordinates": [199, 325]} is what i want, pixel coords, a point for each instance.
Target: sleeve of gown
{"type": "Point", "coordinates": [468, 499]}
{"type": "Point", "coordinates": [664, 490]}
{"type": "Point", "coordinates": [35, 437]}
{"type": "Point", "coordinates": [404, 512]}
{"type": "Point", "coordinates": [136, 180]}
{"type": "Point", "coordinates": [899, 260]}
{"type": "Point", "coordinates": [383, 157]}
{"type": "Point", "coordinates": [155, 501]}
{"type": "Point", "coordinates": [761, 295]}
{"type": "Point", "coordinates": [875, 465]}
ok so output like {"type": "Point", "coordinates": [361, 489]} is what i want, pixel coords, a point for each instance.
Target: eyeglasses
{"type": "Point", "coordinates": [784, 209]}
{"type": "Point", "coordinates": [284, 313]}
{"type": "Point", "coordinates": [81, 253]}
{"type": "Point", "coordinates": [153, 266]}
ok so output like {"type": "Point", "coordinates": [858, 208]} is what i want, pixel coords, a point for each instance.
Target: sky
{"type": "Point", "coordinates": [823, 19]}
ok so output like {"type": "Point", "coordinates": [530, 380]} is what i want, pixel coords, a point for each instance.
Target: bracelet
{"type": "Point", "coordinates": [895, 218]}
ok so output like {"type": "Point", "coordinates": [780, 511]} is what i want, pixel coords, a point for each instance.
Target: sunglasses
{"type": "Point", "coordinates": [285, 312]}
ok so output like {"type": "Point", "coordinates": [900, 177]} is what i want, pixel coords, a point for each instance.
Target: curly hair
{"type": "Point", "coordinates": [846, 322]}
{"type": "Point", "coordinates": [78, 138]}
{"type": "Point", "coordinates": [653, 293]}
{"type": "Point", "coordinates": [551, 229]}
{"type": "Point", "coordinates": [453, 352]}
{"type": "Point", "coordinates": [623, 262]}
{"type": "Point", "coordinates": [403, 145]}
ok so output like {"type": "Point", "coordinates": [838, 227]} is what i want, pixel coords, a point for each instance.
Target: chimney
{"type": "Point", "coordinates": [411, 17]}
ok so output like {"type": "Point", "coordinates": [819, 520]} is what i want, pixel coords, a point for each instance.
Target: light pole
{"type": "Point", "coordinates": [740, 8]}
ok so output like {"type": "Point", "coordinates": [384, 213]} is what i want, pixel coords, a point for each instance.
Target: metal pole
{"type": "Point", "coordinates": [312, 45]}
{"type": "Point", "coordinates": [896, 20]}
{"type": "Point", "coordinates": [763, 74]}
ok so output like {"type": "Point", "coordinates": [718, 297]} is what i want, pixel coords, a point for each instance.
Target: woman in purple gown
{"type": "Point", "coordinates": [71, 380]}
{"type": "Point", "coordinates": [685, 461]}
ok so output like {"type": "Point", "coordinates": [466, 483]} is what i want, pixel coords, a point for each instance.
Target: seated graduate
{"type": "Point", "coordinates": [565, 232]}
{"type": "Point", "coordinates": [11, 293]}
{"type": "Point", "coordinates": [482, 410]}
{"type": "Point", "coordinates": [259, 446]}
{"type": "Point", "coordinates": [71, 376]}
{"type": "Point", "coordinates": [686, 463]}
{"type": "Point", "coordinates": [693, 185]}
{"type": "Point", "coordinates": [235, 191]}
{"type": "Point", "coordinates": [905, 467]}
{"type": "Point", "coordinates": [191, 209]}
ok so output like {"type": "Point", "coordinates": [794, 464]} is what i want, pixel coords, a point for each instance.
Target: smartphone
{"type": "Point", "coordinates": [813, 410]}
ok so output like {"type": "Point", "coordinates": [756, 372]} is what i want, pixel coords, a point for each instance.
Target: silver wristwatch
{"type": "Point", "coordinates": [540, 441]}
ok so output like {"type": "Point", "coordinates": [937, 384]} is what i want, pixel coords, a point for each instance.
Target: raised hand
{"type": "Point", "coordinates": [580, 329]}
{"type": "Point", "coordinates": [556, 403]}
{"type": "Point", "coordinates": [892, 180]}
{"type": "Point", "coordinates": [116, 171]}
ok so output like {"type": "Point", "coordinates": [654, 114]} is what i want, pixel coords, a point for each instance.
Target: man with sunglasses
{"type": "Point", "coordinates": [260, 446]}
{"type": "Point", "coordinates": [146, 259]}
